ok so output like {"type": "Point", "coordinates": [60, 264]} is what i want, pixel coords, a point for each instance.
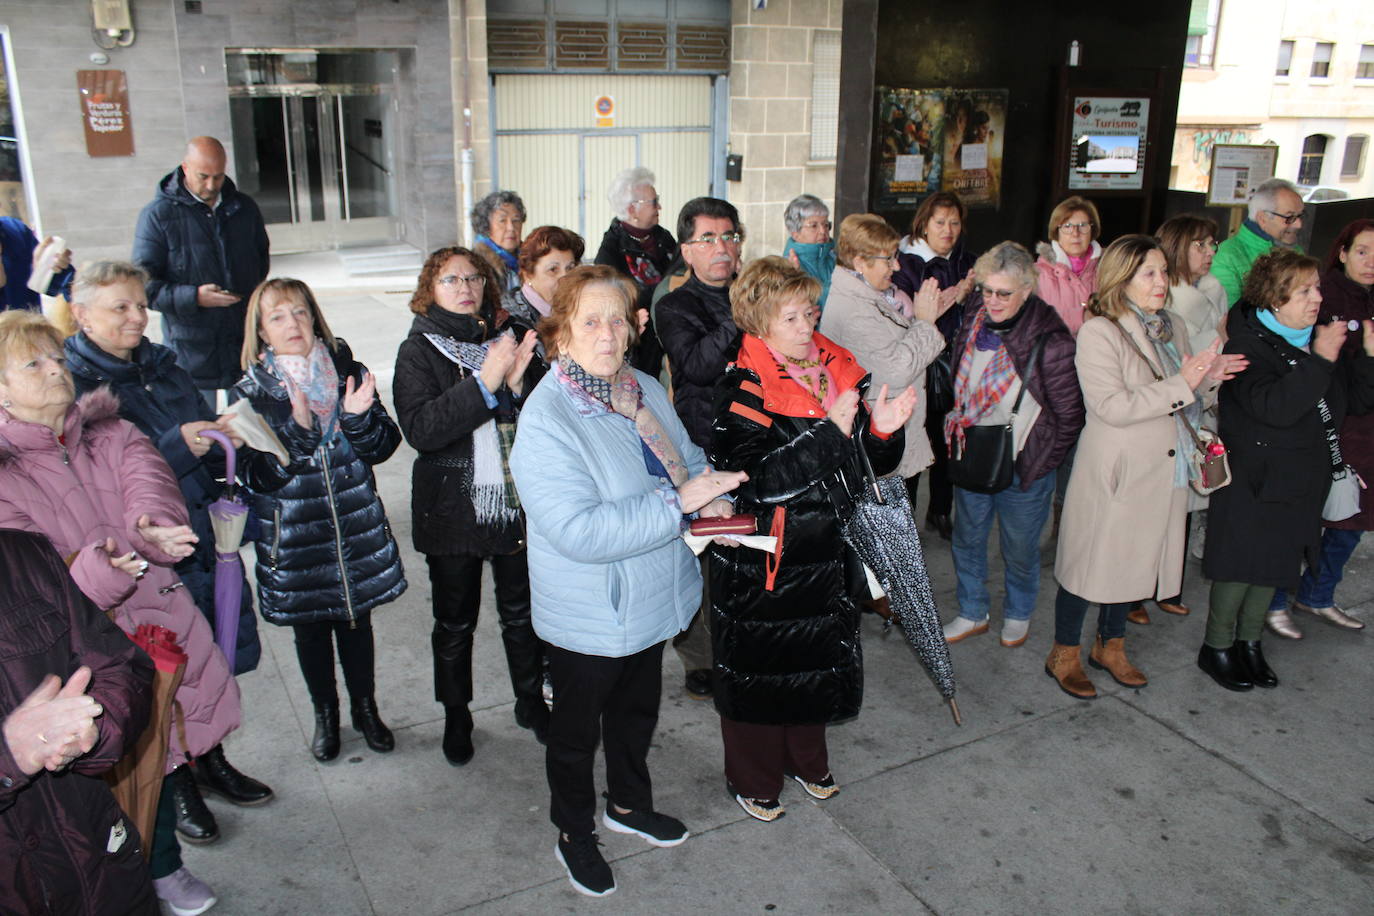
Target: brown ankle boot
{"type": "Point", "coordinates": [1110, 656]}
{"type": "Point", "coordinates": [1065, 665]}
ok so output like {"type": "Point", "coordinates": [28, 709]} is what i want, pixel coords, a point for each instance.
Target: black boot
{"type": "Point", "coordinates": [458, 749]}
{"type": "Point", "coordinates": [215, 774]}
{"type": "Point", "coordinates": [367, 720]}
{"type": "Point", "coordinates": [1253, 660]}
{"type": "Point", "coordinates": [195, 823]}
{"type": "Point", "coordinates": [1225, 667]}
{"type": "Point", "coordinates": [524, 655]}
{"type": "Point", "coordinates": [531, 713]}
{"type": "Point", "coordinates": [325, 744]}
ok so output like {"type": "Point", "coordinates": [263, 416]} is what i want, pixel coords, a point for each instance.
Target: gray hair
{"type": "Point", "coordinates": [1007, 258]}
{"type": "Point", "coordinates": [481, 213]}
{"type": "Point", "coordinates": [94, 276]}
{"type": "Point", "coordinates": [622, 191]}
{"type": "Point", "coordinates": [802, 206]}
{"type": "Point", "coordinates": [1266, 196]}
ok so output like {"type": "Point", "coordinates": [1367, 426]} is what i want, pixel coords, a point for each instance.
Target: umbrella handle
{"type": "Point", "coordinates": [229, 454]}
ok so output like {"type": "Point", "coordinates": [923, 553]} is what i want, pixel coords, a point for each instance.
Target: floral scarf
{"type": "Point", "coordinates": [313, 374]}
{"type": "Point", "coordinates": [974, 400]}
{"type": "Point", "coordinates": [809, 372]}
{"type": "Point", "coordinates": [622, 395]}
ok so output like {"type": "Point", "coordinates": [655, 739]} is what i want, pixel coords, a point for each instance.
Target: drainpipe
{"type": "Point", "coordinates": [465, 155]}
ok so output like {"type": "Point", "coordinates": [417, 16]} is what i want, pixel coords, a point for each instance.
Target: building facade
{"type": "Point", "coordinates": [1272, 71]}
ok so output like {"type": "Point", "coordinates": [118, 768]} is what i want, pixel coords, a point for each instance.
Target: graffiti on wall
{"type": "Point", "coordinates": [1204, 140]}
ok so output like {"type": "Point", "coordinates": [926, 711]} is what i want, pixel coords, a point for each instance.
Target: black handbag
{"type": "Point", "coordinates": [987, 460]}
{"type": "Point", "coordinates": [940, 385]}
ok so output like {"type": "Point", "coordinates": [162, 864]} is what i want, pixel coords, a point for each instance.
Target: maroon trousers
{"type": "Point", "coordinates": [757, 757]}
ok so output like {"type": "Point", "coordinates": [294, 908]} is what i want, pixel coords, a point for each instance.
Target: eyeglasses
{"type": "Point", "coordinates": [1001, 295]}
{"type": "Point", "coordinates": [818, 224]}
{"type": "Point", "coordinates": [725, 238]}
{"type": "Point", "coordinates": [889, 258]}
{"type": "Point", "coordinates": [1204, 244]}
{"type": "Point", "coordinates": [651, 201]}
{"type": "Point", "coordinates": [473, 281]}
{"type": "Point", "coordinates": [1075, 227]}
{"type": "Point", "coordinates": [1288, 218]}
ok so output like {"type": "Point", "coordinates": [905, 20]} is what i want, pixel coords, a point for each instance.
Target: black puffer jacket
{"type": "Point", "coordinates": [326, 551]}
{"type": "Point", "coordinates": [1267, 521]}
{"type": "Point", "coordinates": [700, 337]}
{"type": "Point", "coordinates": [157, 396]}
{"type": "Point", "coordinates": [183, 244]}
{"type": "Point", "coordinates": [439, 406]}
{"type": "Point", "coordinates": [790, 654]}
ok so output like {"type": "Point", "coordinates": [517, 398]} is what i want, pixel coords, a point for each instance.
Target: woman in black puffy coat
{"type": "Point", "coordinates": [785, 626]}
{"type": "Point", "coordinates": [460, 381]}
{"type": "Point", "coordinates": [326, 556]}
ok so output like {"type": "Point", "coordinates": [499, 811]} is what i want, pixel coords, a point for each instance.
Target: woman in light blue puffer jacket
{"type": "Point", "coordinates": [608, 477]}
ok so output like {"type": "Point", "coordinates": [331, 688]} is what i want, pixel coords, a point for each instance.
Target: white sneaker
{"type": "Point", "coordinates": [1014, 632]}
{"type": "Point", "coordinates": [962, 628]}
{"type": "Point", "coordinates": [184, 893]}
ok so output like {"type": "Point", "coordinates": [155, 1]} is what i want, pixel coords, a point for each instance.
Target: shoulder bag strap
{"type": "Point", "coordinates": [1197, 440]}
{"type": "Point", "coordinates": [1030, 372]}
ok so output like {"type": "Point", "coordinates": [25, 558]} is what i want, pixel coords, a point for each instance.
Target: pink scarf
{"type": "Point", "coordinates": [809, 373]}
{"type": "Point", "coordinates": [536, 300]}
{"type": "Point", "coordinates": [314, 374]}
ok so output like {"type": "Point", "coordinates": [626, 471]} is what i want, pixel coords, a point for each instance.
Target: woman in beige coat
{"type": "Point", "coordinates": [1121, 537]}
{"type": "Point", "coordinates": [889, 334]}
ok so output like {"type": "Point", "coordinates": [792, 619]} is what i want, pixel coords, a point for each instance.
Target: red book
{"type": "Point", "coordinates": [735, 524]}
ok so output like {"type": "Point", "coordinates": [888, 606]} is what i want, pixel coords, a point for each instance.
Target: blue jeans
{"type": "Point", "coordinates": [1319, 590]}
{"type": "Point", "coordinates": [1021, 516]}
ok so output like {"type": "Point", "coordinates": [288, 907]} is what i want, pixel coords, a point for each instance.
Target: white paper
{"type": "Point", "coordinates": [255, 432]}
{"type": "Point", "coordinates": [874, 589]}
{"type": "Point", "coordinates": [909, 168]}
{"type": "Point", "coordinates": [698, 542]}
{"type": "Point", "coordinates": [973, 156]}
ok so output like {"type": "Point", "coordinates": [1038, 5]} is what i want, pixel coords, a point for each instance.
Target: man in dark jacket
{"type": "Point", "coordinates": [18, 245]}
{"type": "Point", "coordinates": [204, 244]}
{"type": "Point", "coordinates": [65, 846]}
{"type": "Point", "coordinates": [700, 338]}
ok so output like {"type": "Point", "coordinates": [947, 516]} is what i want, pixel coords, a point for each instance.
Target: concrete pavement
{"type": "Point", "coordinates": [1177, 798]}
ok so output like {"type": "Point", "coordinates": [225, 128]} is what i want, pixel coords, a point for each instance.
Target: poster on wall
{"type": "Point", "coordinates": [1237, 170]}
{"type": "Point", "coordinates": [105, 112]}
{"type": "Point", "coordinates": [974, 128]}
{"type": "Point", "coordinates": [929, 140]}
{"type": "Point", "coordinates": [1107, 143]}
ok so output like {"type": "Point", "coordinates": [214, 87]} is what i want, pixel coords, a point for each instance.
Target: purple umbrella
{"type": "Point", "coordinates": [228, 516]}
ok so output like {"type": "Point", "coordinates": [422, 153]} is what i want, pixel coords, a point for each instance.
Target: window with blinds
{"type": "Point", "coordinates": [825, 96]}
{"type": "Point", "coordinates": [1203, 18]}
{"type": "Point", "coordinates": [1285, 64]}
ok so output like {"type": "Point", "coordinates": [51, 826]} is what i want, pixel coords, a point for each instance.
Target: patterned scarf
{"type": "Point", "coordinates": [622, 395]}
{"type": "Point", "coordinates": [810, 373]}
{"type": "Point", "coordinates": [494, 498]}
{"type": "Point", "coordinates": [895, 298]}
{"type": "Point", "coordinates": [315, 375]}
{"type": "Point", "coordinates": [974, 401]}
{"type": "Point", "coordinates": [1160, 330]}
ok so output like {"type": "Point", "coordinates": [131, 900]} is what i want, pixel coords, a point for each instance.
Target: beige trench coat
{"type": "Point", "coordinates": [1121, 533]}
{"type": "Point", "coordinates": [896, 349]}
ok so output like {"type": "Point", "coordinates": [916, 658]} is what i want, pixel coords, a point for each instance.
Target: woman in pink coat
{"type": "Point", "coordinates": [99, 490]}
{"type": "Point", "coordinates": [1068, 261]}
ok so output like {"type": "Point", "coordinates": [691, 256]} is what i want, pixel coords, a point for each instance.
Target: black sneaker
{"type": "Point", "coordinates": [698, 684]}
{"type": "Point", "coordinates": [587, 869]}
{"type": "Point", "coordinates": [656, 829]}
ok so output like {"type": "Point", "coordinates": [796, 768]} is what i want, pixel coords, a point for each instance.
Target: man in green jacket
{"type": "Point", "coordinates": [1275, 216]}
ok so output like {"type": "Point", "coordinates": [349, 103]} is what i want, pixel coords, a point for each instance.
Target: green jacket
{"type": "Point", "coordinates": [1236, 254]}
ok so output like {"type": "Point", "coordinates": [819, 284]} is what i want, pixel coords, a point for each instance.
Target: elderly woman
{"type": "Point", "coordinates": [935, 250]}
{"type": "Point", "coordinates": [95, 486]}
{"type": "Point", "coordinates": [890, 336]}
{"type": "Point", "coordinates": [607, 476]}
{"type": "Point", "coordinates": [460, 380]}
{"type": "Point", "coordinates": [75, 697]}
{"type": "Point", "coordinates": [1069, 260]}
{"type": "Point", "coordinates": [326, 556]}
{"type": "Point", "coordinates": [498, 221]}
{"type": "Point", "coordinates": [641, 249]}
{"type": "Point", "coordinates": [1279, 421]}
{"type": "Point", "coordinates": [159, 397]}
{"type": "Point", "coordinates": [786, 625]}
{"type": "Point", "coordinates": [1144, 390]}
{"type": "Point", "coordinates": [1014, 365]}
{"type": "Point", "coordinates": [809, 245]}
{"type": "Point", "coordinates": [546, 256]}
{"type": "Point", "coordinates": [1347, 288]}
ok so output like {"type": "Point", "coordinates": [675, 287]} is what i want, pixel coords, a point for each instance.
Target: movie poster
{"type": "Point", "coordinates": [974, 129]}
{"type": "Point", "coordinates": [929, 140]}
{"type": "Point", "coordinates": [907, 146]}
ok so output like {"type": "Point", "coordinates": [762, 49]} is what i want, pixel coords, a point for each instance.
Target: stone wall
{"type": "Point", "coordinates": [770, 113]}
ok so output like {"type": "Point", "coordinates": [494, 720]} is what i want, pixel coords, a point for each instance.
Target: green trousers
{"type": "Point", "coordinates": [1236, 612]}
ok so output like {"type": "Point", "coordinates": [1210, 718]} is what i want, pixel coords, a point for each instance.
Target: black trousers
{"type": "Point", "coordinates": [315, 651]}
{"type": "Point", "coordinates": [613, 700]}
{"type": "Point", "coordinates": [941, 489]}
{"type": "Point", "coordinates": [457, 586]}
